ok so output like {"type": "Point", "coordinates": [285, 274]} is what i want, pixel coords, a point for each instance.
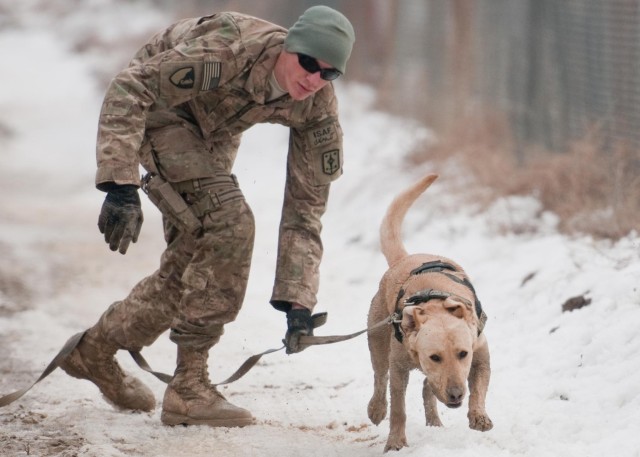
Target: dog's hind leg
{"type": "Point", "coordinates": [430, 405]}
{"type": "Point", "coordinates": [399, 377]}
{"type": "Point", "coordinates": [379, 342]}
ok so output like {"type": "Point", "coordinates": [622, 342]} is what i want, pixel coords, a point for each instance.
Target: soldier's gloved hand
{"type": "Point", "coordinates": [121, 217]}
{"type": "Point", "coordinates": [300, 322]}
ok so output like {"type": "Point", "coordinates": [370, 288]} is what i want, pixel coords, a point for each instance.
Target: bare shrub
{"type": "Point", "coordinates": [592, 188]}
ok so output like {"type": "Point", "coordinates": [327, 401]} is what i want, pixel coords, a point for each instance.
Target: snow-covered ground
{"type": "Point", "coordinates": [563, 384]}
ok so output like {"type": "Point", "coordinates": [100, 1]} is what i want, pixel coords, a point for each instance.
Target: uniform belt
{"type": "Point", "coordinates": [210, 201]}
{"type": "Point", "coordinates": [202, 184]}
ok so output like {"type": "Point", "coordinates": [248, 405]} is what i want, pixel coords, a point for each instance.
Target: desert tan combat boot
{"type": "Point", "coordinates": [94, 359]}
{"type": "Point", "coordinates": [190, 398]}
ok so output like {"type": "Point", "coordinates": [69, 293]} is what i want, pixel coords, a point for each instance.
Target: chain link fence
{"type": "Point", "coordinates": [554, 69]}
{"type": "Point", "coordinates": [575, 65]}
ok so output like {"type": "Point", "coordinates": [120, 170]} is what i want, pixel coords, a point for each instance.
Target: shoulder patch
{"type": "Point", "coordinates": [211, 75]}
{"type": "Point", "coordinates": [331, 162]}
{"type": "Point", "coordinates": [322, 135]}
{"type": "Point", "coordinates": [183, 78]}
{"type": "Point", "coordinates": [180, 78]}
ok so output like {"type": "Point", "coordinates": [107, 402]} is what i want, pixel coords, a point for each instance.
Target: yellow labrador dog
{"type": "Point", "coordinates": [438, 328]}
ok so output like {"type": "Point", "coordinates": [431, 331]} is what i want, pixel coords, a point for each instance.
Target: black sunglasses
{"type": "Point", "coordinates": [311, 65]}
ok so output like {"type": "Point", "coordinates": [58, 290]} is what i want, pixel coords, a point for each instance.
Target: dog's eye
{"type": "Point", "coordinates": [462, 355]}
{"type": "Point", "coordinates": [436, 358]}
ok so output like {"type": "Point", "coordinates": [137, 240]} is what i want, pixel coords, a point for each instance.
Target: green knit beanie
{"type": "Point", "coordinates": [323, 33]}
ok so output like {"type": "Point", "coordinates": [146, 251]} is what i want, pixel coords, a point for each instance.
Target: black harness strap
{"type": "Point", "coordinates": [396, 322]}
{"type": "Point", "coordinates": [438, 266]}
{"type": "Point", "coordinates": [435, 266]}
{"type": "Point", "coordinates": [425, 295]}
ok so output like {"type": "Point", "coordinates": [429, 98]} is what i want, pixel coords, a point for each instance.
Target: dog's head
{"type": "Point", "coordinates": [440, 337]}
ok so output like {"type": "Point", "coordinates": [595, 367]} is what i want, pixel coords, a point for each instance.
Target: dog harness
{"type": "Point", "coordinates": [423, 296]}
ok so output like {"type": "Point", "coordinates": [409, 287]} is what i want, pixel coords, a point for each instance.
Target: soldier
{"type": "Point", "coordinates": [179, 109]}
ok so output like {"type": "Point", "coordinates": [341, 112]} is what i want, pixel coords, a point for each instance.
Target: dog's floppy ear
{"type": "Point", "coordinates": [456, 307]}
{"type": "Point", "coordinates": [412, 318]}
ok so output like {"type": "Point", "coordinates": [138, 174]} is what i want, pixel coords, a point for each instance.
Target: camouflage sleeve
{"type": "Point", "coordinates": [314, 161]}
{"type": "Point", "coordinates": [163, 74]}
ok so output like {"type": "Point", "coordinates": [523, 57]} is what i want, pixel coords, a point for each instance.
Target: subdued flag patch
{"type": "Point", "coordinates": [211, 75]}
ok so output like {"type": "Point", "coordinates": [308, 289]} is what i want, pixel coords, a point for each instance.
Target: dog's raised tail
{"type": "Point", "coordinates": [391, 228]}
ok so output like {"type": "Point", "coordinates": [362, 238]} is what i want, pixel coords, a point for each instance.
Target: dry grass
{"type": "Point", "coordinates": [593, 190]}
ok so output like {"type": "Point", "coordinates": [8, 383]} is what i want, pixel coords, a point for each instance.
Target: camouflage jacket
{"type": "Point", "coordinates": [180, 108]}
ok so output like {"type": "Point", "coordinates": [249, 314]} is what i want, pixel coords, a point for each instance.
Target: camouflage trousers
{"type": "Point", "coordinates": [199, 287]}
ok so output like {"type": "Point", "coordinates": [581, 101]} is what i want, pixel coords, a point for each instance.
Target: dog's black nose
{"type": "Point", "coordinates": [455, 395]}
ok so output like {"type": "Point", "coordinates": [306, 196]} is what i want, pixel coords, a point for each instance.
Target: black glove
{"type": "Point", "coordinates": [300, 322]}
{"type": "Point", "coordinates": [121, 217]}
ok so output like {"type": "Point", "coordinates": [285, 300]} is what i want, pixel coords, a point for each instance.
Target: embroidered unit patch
{"type": "Point", "coordinates": [183, 78]}
{"type": "Point", "coordinates": [331, 161]}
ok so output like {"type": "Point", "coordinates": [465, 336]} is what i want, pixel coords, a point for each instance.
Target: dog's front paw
{"type": "Point", "coordinates": [479, 421]}
{"type": "Point", "coordinates": [395, 443]}
{"type": "Point", "coordinates": [434, 421]}
{"type": "Point", "coordinates": [377, 410]}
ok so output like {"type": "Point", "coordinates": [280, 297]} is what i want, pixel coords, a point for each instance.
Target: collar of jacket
{"type": "Point", "coordinates": [257, 83]}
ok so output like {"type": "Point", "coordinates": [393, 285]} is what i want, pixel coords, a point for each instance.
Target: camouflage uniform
{"type": "Point", "coordinates": [179, 109]}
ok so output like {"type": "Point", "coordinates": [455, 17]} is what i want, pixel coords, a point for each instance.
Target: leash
{"type": "Point", "coordinates": [68, 347]}
{"type": "Point", "coordinates": [246, 366]}
{"type": "Point", "coordinates": [305, 341]}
